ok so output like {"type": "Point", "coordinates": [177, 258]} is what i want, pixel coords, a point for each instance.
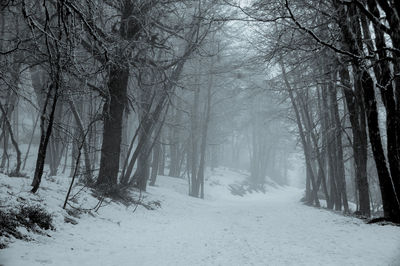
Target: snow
{"type": "Point", "coordinates": [258, 229]}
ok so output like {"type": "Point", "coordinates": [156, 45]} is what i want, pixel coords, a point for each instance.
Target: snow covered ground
{"type": "Point", "coordinates": [257, 229]}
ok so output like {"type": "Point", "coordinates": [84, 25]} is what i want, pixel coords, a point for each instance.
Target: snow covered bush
{"type": "Point", "coordinates": [31, 217]}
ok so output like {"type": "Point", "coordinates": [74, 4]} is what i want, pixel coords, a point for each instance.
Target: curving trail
{"type": "Point", "coordinates": [258, 229]}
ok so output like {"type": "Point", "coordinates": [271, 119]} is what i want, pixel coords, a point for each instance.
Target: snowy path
{"type": "Point", "coordinates": [271, 229]}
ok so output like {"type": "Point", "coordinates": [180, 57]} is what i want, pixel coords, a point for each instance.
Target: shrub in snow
{"type": "Point", "coordinates": [13, 173]}
{"type": "Point", "coordinates": [33, 218]}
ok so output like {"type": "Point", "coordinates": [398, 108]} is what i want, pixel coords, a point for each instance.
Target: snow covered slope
{"type": "Point", "coordinates": [257, 229]}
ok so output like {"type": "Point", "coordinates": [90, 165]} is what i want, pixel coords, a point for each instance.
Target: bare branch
{"type": "Point", "coordinates": [315, 37]}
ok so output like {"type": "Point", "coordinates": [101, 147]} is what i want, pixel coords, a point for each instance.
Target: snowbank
{"type": "Point", "coordinates": [223, 229]}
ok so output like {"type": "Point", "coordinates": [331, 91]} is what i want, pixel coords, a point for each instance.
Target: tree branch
{"type": "Point", "coordinates": [316, 38]}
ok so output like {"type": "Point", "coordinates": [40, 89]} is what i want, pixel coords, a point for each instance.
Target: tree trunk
{"type": "Point", "coordinates": [45, 134]}
{"type": "Point", "coordinates": [155, 163]}
{"type": "Point", "coordinates": [17, 169]}
{"type": "Point", "coordinates": [195, 186]}
{"type": "Point", "coordinates": [30, 140]}
{"type": "Point", "coordinates": [175, 140]}
{"type": "Point", "coordinates": [391, 206]}
{"type": "Point", "coordinates": [302, 136]}
{"type": "Point", "coordinates": [56, 146]}
{"type": "Point", "coordinates": [161, 166]}
{"type": "Point", "coordinates": [79, 123]}
{"type": "Point", "coordinates": [143, 165]}
{"type": "Point", "coordinates": [203, 145]}
{"type": "Point", "coordinates": [340, 177]}
{"type": "Point", "coordinates": [385, 84]}
{"type": "Point", "coordinates": [351, 32]}
{"type": "Point", "coordinates": [324, 117]}
{"type": "Point", "coordinates": [360, 149]}
{"type": "Point", "coordinates": [112, 132]}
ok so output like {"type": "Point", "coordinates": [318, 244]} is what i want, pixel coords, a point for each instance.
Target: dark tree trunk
{"type": "Point", "coordinates": [16, 171]}
{"type": "Point", "coordinates": [143, 165]}
{"type": "Point", "coordinates": [112, 133]}
{"type": "Point", "coordinates": [351, 34]}
{"type": "Point", "coordinates": [113, 109]}
{"type": "Point", "coordinates": [11, 101]}
{"type": "Point", "coordinates": [74, 153]}
{"type": "Point", "coordinates": [323, 110]}
{"type": "Point", "coordinates": [385, 84]}
{"type": "Point", "coordinates": [391, 206]}
{"type": "Point", "coordinates": [124, 138]}
{"type": "Point", "coordinates": [146, 125]}
{"type": "Point", "coordinates": [4, 157]}
{"type": "Point", "coordinates": [357, 121]}
{"type": "Point", "coordinates": [340, 174]}
{"type": "Point", "coordinates": [45, 134]}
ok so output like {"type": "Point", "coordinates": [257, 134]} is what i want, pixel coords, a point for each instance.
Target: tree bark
{"type": "Point", "coordinates": [391, 206]}
{"type": "Point", "coordinates": [155, 163]}
{"type": "Point", "coordinates": [112, 131]}
{"type": "Point", "coordinates": [351, 34]}
{"type": "Point", "coordinates": [359, 141]}
{"type": "Point", "coordinates": [17, 169]}
{"type": "Point", "coordinates": [340, 177]}
{"type": "Point", "coordinates": [45, 134]}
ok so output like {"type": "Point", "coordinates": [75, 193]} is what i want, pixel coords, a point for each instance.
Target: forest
{"type": "Point", "coordinates": [199, 132]}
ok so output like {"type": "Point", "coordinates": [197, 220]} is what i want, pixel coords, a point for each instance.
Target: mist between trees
{"type": "Point", "coordinates": [118, 92]}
